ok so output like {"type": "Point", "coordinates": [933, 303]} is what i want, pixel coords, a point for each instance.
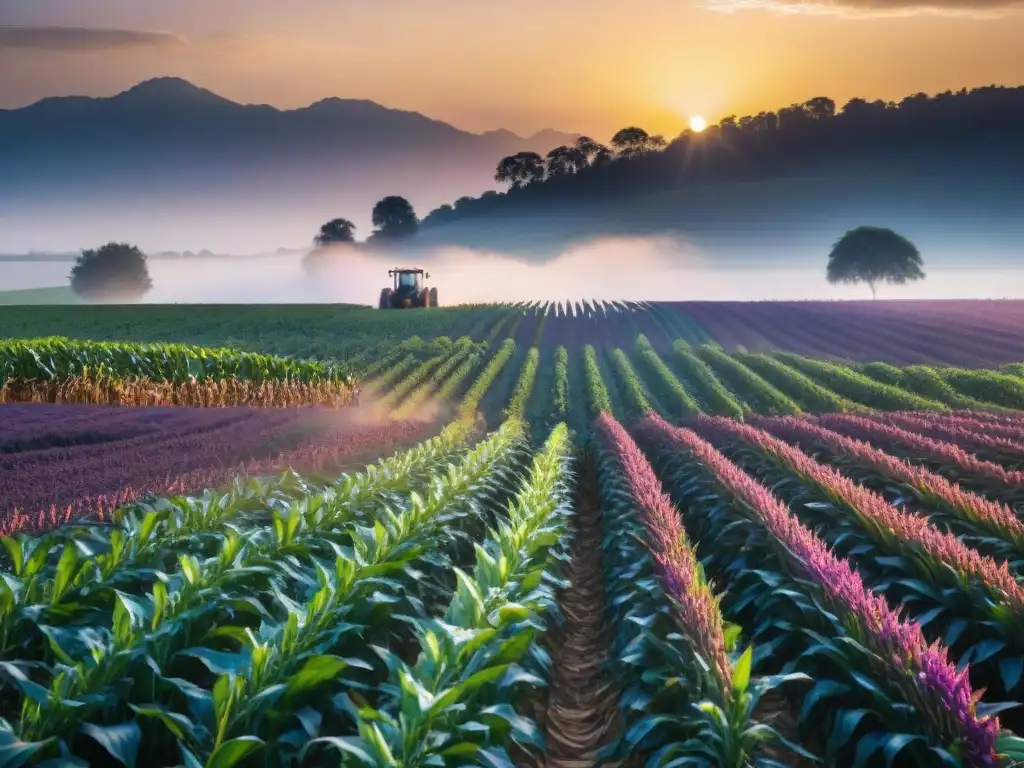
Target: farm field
{"type": "Point", "coordinates": [521, 538]}
{"type": "Point", "coordinates": [965, 333]}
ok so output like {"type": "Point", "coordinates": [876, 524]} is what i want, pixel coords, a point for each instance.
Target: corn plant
{"type": "Point", "coordinates": [857, 387]}
{"type": "Point", "coordinates": [758, 393]}
{"type": "Point", "coordinates": [971, 602]}
{"type": "Point", "coordinates": [714, 396]}
{"type": "Point", "coordinates": [671, 392]}
{"type": "Point", "coordinates": [516, 407]}
{"type": "Point", "coordinates": [88, 666]}
{"type": "Point", "coordinates": [471, 663]}
{"type": "Point", "coordinates": [805, 391]}
{"type": "Point", "coordinates": [637, 398]}
{"type": "Point", "coordinates": [674, 650]}
{"type": "Point", "coordinates": [467, 408]}
{"type": "Point", "coordinates": [57, 357]}
{"type": "Point", "coordinates": [598, 399]}
{"type": "Point", "coordinates": [863, 654]}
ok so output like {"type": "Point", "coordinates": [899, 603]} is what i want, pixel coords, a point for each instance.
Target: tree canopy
{"type": "Point", "coordinates": [113, 272]}
{"type": "Point", "coordinates": [521, 169]}
{"type": "Point", "coordinates": [394, 218]}
{"type": "Point", "coordinates": [336, 231]}
{"type": "Point", "coordinates": [752, 147]}
{"type": "Point", "coordinates": [874, 255]}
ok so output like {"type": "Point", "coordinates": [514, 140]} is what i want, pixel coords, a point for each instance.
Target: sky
{"type": "Point", "coordinates": [589, 66]}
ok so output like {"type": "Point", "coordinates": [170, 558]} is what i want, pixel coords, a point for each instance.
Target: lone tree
{"type": "Point", "coordinates": [394, 218]}
{"type": "Point", "coordinates": [874, 255]}
{"type": "Point", "coordinates": [113, 272]}
{"type": "Point", "coordinates": [336, 231]}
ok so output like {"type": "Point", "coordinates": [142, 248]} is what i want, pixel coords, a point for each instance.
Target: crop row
{"type": "Point", "coordinates": [47, 486]}
{"type": "Point", "coordinates": [56, 358]}
{"type": "Point", "coordinates": [882, 687]}
{"type": "Point", "coordinates": [101, 389]}
{"type": "Point", "coordinates": [688, 695]}
{"type": "Point", "coordinates": [970, 601]}
{"type": "Point", "coordinates": [292, 636]}
{"type": "Point", "coordinates": [989, 526]}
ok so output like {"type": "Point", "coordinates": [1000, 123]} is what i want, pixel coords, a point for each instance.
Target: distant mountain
{"type": "Point", "coordinates": [167, 155]}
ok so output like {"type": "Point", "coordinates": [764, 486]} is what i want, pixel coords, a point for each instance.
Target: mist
{"type": "Point", "coordinates": [611, 268]}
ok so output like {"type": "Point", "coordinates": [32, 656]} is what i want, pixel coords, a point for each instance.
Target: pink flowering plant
{"type": "Point", "coordinates": [988, 526]}
{"type": "Point", "coordinates": [987, 441]}
{"type": "Point", "coordinates": [990, 479]}
{"type": "Point", "coordinates": [881, 689]}
{"type": "Point", "coordinates": [689, 694]}
{"type": "Point", "coordinates": [970, 602]}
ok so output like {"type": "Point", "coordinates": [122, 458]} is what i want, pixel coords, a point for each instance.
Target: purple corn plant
{"type": "Point", "coordinates": [872, 431]}
{"type": "Point", "coordinates": [699, 613]}
{"type": "Point", "coordinates": [942, 691]}
{"type": "Point", "coordinates": [1010, 427]}
{"type": "Point", "coordinates": [1003, 420]}
{"type": "Point", "coordinates": [969, 435]}
{"type": "Point", "coordinates": [911, 529]}
{"type": "Point", "coordinates": [992, 516]}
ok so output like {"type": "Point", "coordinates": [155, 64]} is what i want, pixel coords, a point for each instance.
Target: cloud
{"type": "Point", "coordinates": [978, 9]}
{"type": "Point", "coordinates": [55, 38]}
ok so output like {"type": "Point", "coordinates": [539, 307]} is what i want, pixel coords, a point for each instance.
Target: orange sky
{"type": "Point", "coordinates": [578, 65]}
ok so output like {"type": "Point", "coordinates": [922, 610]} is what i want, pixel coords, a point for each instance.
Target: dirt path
{"type": "Point", "coordinates": [582, 708]}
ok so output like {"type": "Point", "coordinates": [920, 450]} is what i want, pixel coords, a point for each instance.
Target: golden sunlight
{"type": "Point", "coordinates": [697, 123]}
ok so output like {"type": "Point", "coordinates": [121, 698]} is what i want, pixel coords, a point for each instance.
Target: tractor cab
{"type": "Point", "coordinates": [408, 290]}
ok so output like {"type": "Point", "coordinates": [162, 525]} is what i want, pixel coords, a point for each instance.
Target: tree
{"type": "Point", "coordinates": [588, 149]}
{"type": "Point", "coordinates": [560, 162]}
{"type": "Point", "coordinates": [336, 231]}
{"type": "Point", "coordinates": [520, 169]}
{"type": "Point", "coordinates": [113, 272]}
{"type": "Point", "coordinates": [874, 255]}
{"type": "Point", "coordinates": [633, 141]}
{"type": "Point", "coordinates": [394, 218]}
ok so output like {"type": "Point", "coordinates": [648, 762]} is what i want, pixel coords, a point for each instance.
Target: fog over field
{"type": "Point", "coordinates": [626, 268]}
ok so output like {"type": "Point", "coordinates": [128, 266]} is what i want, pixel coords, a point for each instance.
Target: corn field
{"type": "Point", "coordinates": [547, 539]}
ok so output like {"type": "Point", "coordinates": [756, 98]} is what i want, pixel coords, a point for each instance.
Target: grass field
{"type": "Point", "coordinates": [734, 535]}
{"type": "Point", "coordinates": [58, 294]}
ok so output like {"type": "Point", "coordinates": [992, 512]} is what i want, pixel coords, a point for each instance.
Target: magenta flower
{"type": "Point", "coordinates": [992, 516]}
{"type": "Point", "coordinates": [883, 434]}
{"type": "Point", "coordinates": [910, 529]}
{"type": "Point", "coordinates": [942, 691]}
{"type": "Point", "coordinates": [971, 435]}
{"type": "Point", "coordinates": [698, 611]}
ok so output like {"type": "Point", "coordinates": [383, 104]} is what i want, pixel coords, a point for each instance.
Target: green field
{"type": "Point", "coordinates": [334, 331]}
{"type": "Point", "coordinates": [57, 294]}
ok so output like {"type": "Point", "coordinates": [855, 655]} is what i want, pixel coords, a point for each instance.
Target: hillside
{"type": "Point", "coordinates": [945, 165]}
{"type": "Point", "coordinates": [166, 150]}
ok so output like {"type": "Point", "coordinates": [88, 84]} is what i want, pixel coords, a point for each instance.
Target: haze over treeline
{"type": "Point", "coordinates": [622, 268]}
{"type": "Point", "coordinates": [169, 166]}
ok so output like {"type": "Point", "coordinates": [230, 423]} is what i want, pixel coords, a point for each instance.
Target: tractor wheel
{"type": "Point", "coordinates": [385, 299]}
{"type": "Point", "coordinates": [433, 297]}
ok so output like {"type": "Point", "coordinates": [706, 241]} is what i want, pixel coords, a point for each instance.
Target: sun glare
{"type": "Point", "coordinates": [698, 123]}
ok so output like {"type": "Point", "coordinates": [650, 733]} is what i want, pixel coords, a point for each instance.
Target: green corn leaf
{"type": "Point", "coordinates": [741, 670]}
{"type": "Point", "coordinates": [120, 741]}
{"type": "Point", "coordinates": [315, 670]}
{"type": "Point", "coordinates": [233, 752]}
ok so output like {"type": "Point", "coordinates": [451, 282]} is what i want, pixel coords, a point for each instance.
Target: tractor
{"type": "Point", "coordinates": [409, 290]}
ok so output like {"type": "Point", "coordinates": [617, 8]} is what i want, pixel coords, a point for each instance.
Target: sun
{"type": "Point", "coordinates": [698, 123]}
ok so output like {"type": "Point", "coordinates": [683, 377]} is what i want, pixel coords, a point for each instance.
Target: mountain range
{"type": "Point", "coordinates": [165, 162]}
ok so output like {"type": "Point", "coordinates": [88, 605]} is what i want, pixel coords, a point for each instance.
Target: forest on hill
{"type": "Point", "coordinates": [951, 132]}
